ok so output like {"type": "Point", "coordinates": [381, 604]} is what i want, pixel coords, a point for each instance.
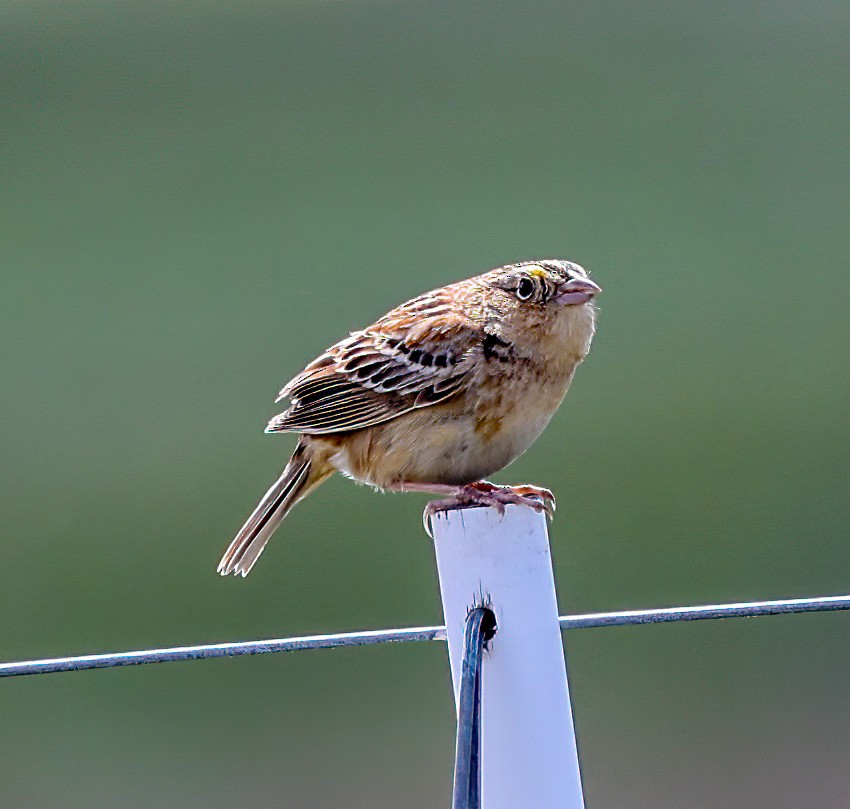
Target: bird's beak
{"type": "Point", "coordinates": [577, 290]}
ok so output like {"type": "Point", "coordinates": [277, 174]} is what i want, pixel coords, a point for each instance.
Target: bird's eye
{"type": "Point", "coordinates": [525, 289]}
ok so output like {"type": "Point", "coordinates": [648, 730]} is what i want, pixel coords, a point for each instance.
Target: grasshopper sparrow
{"type": "Point", "coordinates": [436, 395]}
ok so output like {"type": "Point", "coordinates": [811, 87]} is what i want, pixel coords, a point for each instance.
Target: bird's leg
{"type": "Point", "coordinates": [425, 488]}
{"type": "Point", "coordinates": [480, 493]}
{"type": "Point", "coordinates": [452, 500]}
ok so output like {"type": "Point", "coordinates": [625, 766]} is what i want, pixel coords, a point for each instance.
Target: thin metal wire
{"type": "Point", "coordinates": [422, 633]}
{"type": "Point", "coordinates": [480, 627]}
{"type": "Point", "coordinates": [749, 609]}
{"type": "Point", "coordinates": [252, 647]}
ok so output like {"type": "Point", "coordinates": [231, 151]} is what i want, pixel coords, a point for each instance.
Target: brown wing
{"type": "Point", "coordinates": [416, 355]}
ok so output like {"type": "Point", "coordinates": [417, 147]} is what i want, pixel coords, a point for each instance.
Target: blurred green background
{"type": "Point", "coordinates": [196, 198]}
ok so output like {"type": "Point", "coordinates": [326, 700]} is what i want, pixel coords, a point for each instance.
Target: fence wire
{"type": "Point", "coordinates": [466, 793]}
{"type": "Point", "coordinates": [422, 633]}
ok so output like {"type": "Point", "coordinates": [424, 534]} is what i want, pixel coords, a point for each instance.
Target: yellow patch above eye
{"type": "Point", "coordinates": [537, 272]}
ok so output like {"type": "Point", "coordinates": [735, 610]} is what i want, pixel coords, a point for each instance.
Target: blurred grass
{"type": "Point", "coordinates": [197, 198]}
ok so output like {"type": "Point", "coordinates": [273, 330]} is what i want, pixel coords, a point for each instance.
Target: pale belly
{"type": "Point", "coordinates": [444, 444]}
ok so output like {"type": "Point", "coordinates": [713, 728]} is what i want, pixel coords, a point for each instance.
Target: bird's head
{"type": "Point", "coordinates": [549, 283]}
{"type": "Point", "coordinates": [549, 300]}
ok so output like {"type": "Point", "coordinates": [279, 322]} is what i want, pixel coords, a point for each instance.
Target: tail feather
{"type": "Point", "coordinates": [297, 479]}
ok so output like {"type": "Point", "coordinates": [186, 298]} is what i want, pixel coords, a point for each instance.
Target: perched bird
{"type": "Point", "coordinates": [437, 394]}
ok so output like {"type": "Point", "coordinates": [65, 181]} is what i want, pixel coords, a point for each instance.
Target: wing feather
{"type": "Point", "coordinates": [420, 354]}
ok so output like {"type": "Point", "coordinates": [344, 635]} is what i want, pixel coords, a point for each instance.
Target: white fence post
{"type": "Point", "coordinates": [528, 746]}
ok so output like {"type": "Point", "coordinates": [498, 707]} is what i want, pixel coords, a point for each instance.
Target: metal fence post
{"type": "Point", "coordinates": [528, 747]}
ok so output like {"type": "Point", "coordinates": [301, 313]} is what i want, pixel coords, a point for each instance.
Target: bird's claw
{"type": "Point", "coordinates": [427, 514]}
{"type": "Point", "coordinates": [448, 504]}
{"type": "Point", "coordinates": [544, 498]}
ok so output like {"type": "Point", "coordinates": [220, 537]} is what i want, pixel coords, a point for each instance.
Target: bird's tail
{"type": "Point", "coordinates": [302, 474]}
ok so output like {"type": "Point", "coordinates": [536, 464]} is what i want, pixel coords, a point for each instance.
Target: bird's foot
{"type": "Point", "coordinates": [484, 493]}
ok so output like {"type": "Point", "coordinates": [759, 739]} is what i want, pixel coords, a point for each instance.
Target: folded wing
{"type": "Point", "coordinates": [417, 355]}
